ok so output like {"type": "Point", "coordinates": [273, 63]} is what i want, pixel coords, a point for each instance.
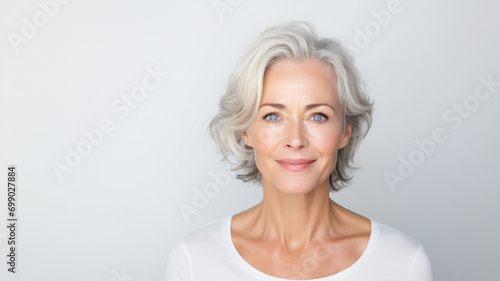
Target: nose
{"type": "Point", "coordinates": [295, 135]}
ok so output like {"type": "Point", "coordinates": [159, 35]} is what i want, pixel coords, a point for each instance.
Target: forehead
{"type": "Point", "coordinates": [308, 80]}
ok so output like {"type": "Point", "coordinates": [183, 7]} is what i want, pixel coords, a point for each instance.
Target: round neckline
{"type": "Point", "coordinates": [254, 272]}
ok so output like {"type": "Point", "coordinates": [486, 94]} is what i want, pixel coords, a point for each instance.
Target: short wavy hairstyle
{"type": "Point", "coordinates": [296, 41]}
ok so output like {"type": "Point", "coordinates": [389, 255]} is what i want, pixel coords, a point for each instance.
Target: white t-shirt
{"type": "Point", "coordinates": [208, 253]}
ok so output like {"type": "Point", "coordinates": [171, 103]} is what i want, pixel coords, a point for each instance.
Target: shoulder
{"type": "Point", "coordinates": [394, 241]}
{"type": "Point", "coordinates": [391, 246]}
{"type": "Point", "coordinates": [197, 249]}
{"type": "Point", "coordinates": [210, 232]}
{"type": "Point", "coordinates": [203, 239]}
{"type": "Point", "coordinates": [390, 236]}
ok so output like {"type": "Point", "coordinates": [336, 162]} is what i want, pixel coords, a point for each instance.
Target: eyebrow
{"type": "Point", "coordinates": [308, 107]}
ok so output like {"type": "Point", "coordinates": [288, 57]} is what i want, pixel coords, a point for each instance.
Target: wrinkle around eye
{"type": "Point", "coordinates": [266, 117]}
{"type": "Point", "coordinates": [324, 117]}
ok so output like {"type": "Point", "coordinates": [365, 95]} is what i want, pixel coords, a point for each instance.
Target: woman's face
{"type": "Point", "coordinates": [298, 129]}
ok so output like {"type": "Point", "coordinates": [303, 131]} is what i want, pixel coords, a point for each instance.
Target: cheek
{"type": "Point", "coordinates": [326, 140]}
{"type": "Point", "coordinates": [265, 136]}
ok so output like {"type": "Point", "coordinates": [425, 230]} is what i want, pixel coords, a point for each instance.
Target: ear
{"type": "Point", "coordinates": [246, 138]}
{"type": "Point", "coordinates": [346, 135]}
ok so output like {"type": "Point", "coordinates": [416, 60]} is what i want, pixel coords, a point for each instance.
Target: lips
{"type": "Point", "coordinates": [296, 164]}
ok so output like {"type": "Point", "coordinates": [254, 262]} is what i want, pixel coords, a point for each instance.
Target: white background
{"type": "Point", "coordinates": [116, 215]}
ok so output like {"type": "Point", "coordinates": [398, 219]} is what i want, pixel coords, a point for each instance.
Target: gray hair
{"type": "Point", "coordinates": [297, 41]}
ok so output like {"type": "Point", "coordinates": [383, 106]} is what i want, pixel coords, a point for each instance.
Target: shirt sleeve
{"type": "Point", "coordinates": [179, 267]}
{"type": "Point", "coordinates": [421, 268]}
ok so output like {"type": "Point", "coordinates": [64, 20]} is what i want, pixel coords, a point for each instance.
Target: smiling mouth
{"type": "Point", "coordinates": [296, 165]}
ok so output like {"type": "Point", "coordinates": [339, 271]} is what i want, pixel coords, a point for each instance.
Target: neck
{"type": "Point", "coordinates": [296, 219]}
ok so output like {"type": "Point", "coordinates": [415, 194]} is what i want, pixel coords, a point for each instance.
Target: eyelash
{"type": "Point", "coordinates": [315, 113]}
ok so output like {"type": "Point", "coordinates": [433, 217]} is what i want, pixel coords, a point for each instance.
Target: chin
{"type": "Point", "coordinates": [295, 186]}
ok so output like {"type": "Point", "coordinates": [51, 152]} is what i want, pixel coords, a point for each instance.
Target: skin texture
{"type": "Point", "coordinates": [297, 231]}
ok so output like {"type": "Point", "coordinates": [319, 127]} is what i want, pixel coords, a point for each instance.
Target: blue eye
{"type": "Point", "coordinates": [318, 117]}
{"type": "Point", "coordinates": [273, 117]}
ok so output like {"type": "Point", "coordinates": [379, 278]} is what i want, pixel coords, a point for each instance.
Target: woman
{"type": "Point", "coordinates": [293, 115]}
